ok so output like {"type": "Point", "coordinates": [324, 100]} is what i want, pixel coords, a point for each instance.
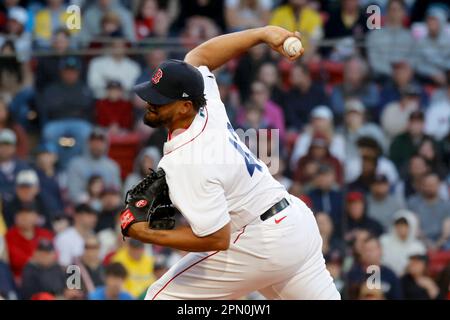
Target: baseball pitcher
{"type": "Point", "coordinates": [246, 232]}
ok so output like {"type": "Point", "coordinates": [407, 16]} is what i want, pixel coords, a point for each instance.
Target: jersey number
{"type": "Point", "coordinates": [250, 161]}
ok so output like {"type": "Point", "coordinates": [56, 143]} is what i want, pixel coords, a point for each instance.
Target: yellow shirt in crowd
{"type": "Point", "coordinates": [140, 273]}
{"type": "Point", "coordinates": [43, 24]}
{"type": "Point", "coordinates": [308, 22]}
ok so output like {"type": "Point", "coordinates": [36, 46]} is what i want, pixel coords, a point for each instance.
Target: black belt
{"type": "Point", "coordinates": [277, 207]}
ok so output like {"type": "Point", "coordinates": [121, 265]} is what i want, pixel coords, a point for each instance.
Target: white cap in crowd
{"type": "Point", "coordinates": [322, 112]}
{"type": "Point", "coordinates": [27, 178]}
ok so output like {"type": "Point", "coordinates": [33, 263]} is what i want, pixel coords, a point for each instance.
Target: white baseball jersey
{"type": "Point", "coordinates": [213, 179]}
{"type": "Point", "coordinates": [212, 176]}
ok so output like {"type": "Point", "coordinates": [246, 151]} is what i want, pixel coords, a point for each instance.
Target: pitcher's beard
{"type": "Point", "coordinates": [154, 123]}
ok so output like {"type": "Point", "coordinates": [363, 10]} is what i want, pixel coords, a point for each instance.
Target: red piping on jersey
{"type": "Point", "coordinates": [192, 265]}
{"type": "Point", "coordinates": [203, 129]}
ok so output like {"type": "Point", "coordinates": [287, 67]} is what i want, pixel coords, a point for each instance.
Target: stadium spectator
{"type": "Point", "coordinates": [4, 8]}
{"type": "Point", "coordinates": [16, 30]}
{"type": "Point", "coordinates": [115, 111]}
{"type": "Point", "coordinates": [401, 241]}
{"type": "Point", "coordinates": [355, 126]}
{"type": "Point", "coordinates": [45, 167]}
{"type": "Point", "coordinates": [92, 271]}
{"type": "Point", "coordinates": [42, 273]}
{"type": "Point", "coordinates": [381, 204]}
{"type": "Point", "coordinates": [321, 122]}
{"type": "Point", "coordinates": [441, 93]}
{"type": "Point", "coordinates": [269, 75]}
{"type": "Point", "coordinates": [407, 144]}
{"type": "Point", "coordinates": [318, 154]}
{"type": "Point", "coordinates": [149, 18]}
{"type": "Point", "coordinates": [8, 289]}
{"type": "Point", "coordinates": [347, 21]}
{"type": "Point", "coordinates": [28, 192]}
{"type": "Point", "coordinates": [16, 80]}
{"type": "Point", "coordinates": [49, 19]}
{"type": "Point", "coordinates": [48, 67]}
{"type": "Point", "coordinates": [429, 149]}
{"type": "Point", "coordinates": [65, 109]}
{"type": "Point", "coordinates": [392, 43]}
{"type": "Point", "coordinates": [393, 88]}
{"type": "Point", "coordinates": [147, 159]}
{"type": "Point", "coordinates": [362, 183]}
{"type": "Point", "coordinates": [356, 216]}
{"type": "Point", "coordinates": [114, 66]}
{"type": "Point", "coordinates": [356, 84]}
{"type": "Point", "coordinates": [443, 243]}
{"type": "Point", "coordinates": [370, 150]}
{"type": "Point", "coordinates": [296, 15]}
{"type": "Point", "coordinates": [94, 189]}
{"type": "Point", "coordinates": [430, 208]}
{"type": "Point", "coordinates": [23, 237]}
{"type": "Point", "coordinates": [198, 29]}
{"type": "Point", "coordinates": [417, 285]}
{"type": "Point", "coordinates": [112, 203]}
{"type": "Point", "coordinates": [111, 240]}
{"type": "Point", "coordinates": [371, 254]}
{"type": "Point", "coordinates": [410, 185]}
{"type": "Point", "coordinates": [203, 9]}
{"type": "Point", "coordinates": [437, 115]}
{"type": "Point", "coordinates": [245, 14]}
{"type": "Point", "coordinates": [110, 27]}
{"type": "Point", "coordinates": [93, 16]}
{"type": "Point", "coordinates": [94, 161]}
{"type": "Point", "coordinates": [272, 114]}
{"type": "Point", "coordinates": [70, 243]}
{"type": "Point", "coordinates": [355, 241]}
{"type": "Point", "coordinates": [247, 68]}
{"type": "Point", "coordinates": [433, 51]}
{"type": "Point", "coordinates": [115, 277]}
{"type": "Point", "coordinates": [7, 122]}
{"type": "Point", "coordinates": [139, 266]}
{"type": "Point", "coordinates": [366, 293]}
{"type": "Point", "coordinates": [302, 97]}
{"type": "Point", "coordinates": [327, 197]}
{"type": "Point", "coordinates": [332, 245]}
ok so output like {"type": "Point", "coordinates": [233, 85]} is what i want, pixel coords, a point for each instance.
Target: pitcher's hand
{"type": "Point", "coordinates": [274, 36]}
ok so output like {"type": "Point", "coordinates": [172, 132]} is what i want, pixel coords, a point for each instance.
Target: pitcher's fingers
{"type": "Point", "coordinates": [298, 55]}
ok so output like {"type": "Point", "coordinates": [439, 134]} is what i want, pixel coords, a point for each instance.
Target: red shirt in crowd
{"type": "Point", "coordinates": [109, 112]}
{"type": "Point", "coordinates": [144, 28]}
{"type": "Point", "coordinates": [21, 249]}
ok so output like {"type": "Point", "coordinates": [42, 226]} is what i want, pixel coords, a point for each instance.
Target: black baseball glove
{"type": "Point", "coordinates": [149, 201]}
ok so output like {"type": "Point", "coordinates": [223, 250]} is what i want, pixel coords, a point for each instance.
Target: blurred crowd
{"type": "Point", "coordinates": [363, 119]}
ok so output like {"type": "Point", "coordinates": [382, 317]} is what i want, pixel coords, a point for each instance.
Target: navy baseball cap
{"type": "Point", "coordinates": [70, 63]}
{"type": "Point", "coordinates": [172, 80]}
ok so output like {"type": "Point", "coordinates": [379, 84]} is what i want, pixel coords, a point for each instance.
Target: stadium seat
{"type": "Point", "coordinates": [124, 149]}
{"type": "Point", "coordinates": [437, 261]}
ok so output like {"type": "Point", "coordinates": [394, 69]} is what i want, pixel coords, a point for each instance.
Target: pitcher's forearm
{"type": "Point", "coordinates": [181, 238]}
{"type": "Point", "coordinates": [217, 51]}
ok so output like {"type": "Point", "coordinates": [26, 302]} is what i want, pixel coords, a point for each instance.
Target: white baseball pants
{"type": "Point", "coordinates": [280, 260]}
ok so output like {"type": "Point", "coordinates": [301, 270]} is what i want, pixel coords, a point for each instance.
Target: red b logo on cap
{"type": "Point", "coordinates": [157, 76]}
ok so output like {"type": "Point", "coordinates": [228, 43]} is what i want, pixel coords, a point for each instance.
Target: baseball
{"type": "Point", "coordinates": [292, 46]}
